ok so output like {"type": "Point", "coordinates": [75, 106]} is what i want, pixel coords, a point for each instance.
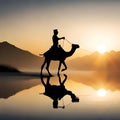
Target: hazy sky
{"type": "Point", "coordinates": [29, 24]}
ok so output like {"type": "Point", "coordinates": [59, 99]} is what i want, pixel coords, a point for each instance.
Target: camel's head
{"type": "Point", "coordinates": [75, 46]}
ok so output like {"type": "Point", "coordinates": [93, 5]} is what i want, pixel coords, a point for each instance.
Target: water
{"type": "Point", "coordinates": [22, 98]}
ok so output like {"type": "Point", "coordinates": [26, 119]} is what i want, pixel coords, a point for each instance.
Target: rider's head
{"type": "Point", "coordinates": [55, 31]}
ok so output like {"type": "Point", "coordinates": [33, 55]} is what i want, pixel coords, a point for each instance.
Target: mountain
{"type": "Point", "coordinates": [96, 61]}
{"type": "Point", "coordinates": [13, 56]}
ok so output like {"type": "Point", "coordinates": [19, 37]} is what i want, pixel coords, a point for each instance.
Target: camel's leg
{"type": "Point", "coordinates": [62, 82]}
{"type": "Point", "coordinates": [43, 66]}
{"type": "Point", "coordinates": [64, 66]}
{"type": "Point", "coordinates": [59, 66]}
{"type": "Point", "coordinates": [47, 67]}
{"type": "Point", "coordinates": [42, 81]}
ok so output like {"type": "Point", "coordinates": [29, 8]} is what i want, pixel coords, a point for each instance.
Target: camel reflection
{"type": "Point", "coordinates": [57, 92]}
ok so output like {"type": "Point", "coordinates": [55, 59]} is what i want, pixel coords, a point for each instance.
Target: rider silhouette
{"type": "Point", "coordinates": [57, 92]}
{"type": "Point", "coordinates": [55, 38]}
{"type": "Point", "coordinates": [56, 49]}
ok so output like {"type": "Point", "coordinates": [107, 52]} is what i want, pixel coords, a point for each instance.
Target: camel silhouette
{"type": "Point", "coordinates": [60, 56]}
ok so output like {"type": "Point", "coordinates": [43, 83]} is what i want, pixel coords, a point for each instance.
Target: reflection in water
{"type": "Point", "coordinates": [28, 104]}
{"type": "Point", "coordinates": [12, 84]}
{"type": "Point", "coordinates": [98, 79]}
{"type": "Point", "coordinates": [57, 92]}
{"type": "Point", "coordinates": [102, 92]}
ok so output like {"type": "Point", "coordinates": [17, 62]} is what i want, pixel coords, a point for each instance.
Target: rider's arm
{"type": "Point", "coordinates": [61, 38]}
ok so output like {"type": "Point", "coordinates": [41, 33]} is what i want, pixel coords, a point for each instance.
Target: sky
{"type": "Point", "coordinates": [29, 24]}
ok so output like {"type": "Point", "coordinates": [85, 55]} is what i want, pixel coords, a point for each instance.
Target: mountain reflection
{"type": "Point", "coordinates": [10, 84]}
{"type": "Point", "coordinates": [57, 92]}
{"type": "Point", "coordinates": [99, 79]}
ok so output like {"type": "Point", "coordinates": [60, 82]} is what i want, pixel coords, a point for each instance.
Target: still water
{"type": "Point", "coordinates": [76, 95]}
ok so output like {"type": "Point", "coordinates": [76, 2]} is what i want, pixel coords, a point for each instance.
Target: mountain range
{"type": "Point", "coordinates": [22, 59]}
{"type": "Point", "coordinates": [96, 61]}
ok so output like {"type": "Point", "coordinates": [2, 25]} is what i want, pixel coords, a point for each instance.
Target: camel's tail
{"type": "Point", "coordinates": [41, 55]}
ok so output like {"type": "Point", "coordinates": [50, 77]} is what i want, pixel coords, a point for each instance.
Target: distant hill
{"type": "Point", "coordinates": [13, 56]}
{"type": "Point", "coordinates": [96, 61]}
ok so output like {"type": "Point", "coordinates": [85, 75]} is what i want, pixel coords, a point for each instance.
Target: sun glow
{"type": "Point", "coordinates": [101, 92]}
{"type": "Point", "coordinates": [102, 49]}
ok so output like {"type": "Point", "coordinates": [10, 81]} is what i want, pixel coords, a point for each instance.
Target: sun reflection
{"type": "Point", "coordinates": [101, 92]}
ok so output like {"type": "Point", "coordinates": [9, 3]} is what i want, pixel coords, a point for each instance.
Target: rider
{"type": "Point", "coordinates": [55, 38]}
{"type": "Point", "coordinates": [56, 48]}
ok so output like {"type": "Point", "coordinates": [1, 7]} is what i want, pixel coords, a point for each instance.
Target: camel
{"type": "Point", "coordinates": [61, 56]}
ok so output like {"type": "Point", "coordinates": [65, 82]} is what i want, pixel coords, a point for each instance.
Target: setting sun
{"type": "Point", "coordinates": [102, 49]}
{"type": "Point", "coordinates": [101, 92]}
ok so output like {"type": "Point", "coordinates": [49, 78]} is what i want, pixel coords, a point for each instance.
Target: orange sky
{"type": "Point", "coordinates": [29, 24]}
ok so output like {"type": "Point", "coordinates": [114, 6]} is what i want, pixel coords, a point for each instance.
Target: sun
{"type": "Point", "coordinates": [102, 49]}
{"type": "Point", "coordinates": [101, 92]}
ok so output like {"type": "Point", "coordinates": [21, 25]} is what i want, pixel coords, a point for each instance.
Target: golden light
{"type": "Point", "coordinates": [101, 92]}
{"type": "Point", "coordinates": [102, 49]}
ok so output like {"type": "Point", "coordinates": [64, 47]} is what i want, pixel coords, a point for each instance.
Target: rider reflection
{"type": "Point", "coordinates": [57, 92]}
